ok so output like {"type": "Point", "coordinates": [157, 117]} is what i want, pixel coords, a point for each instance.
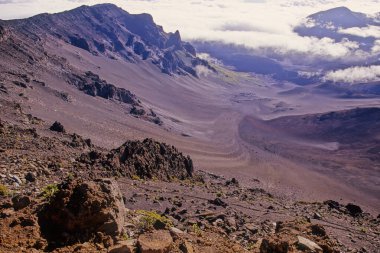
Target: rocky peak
{"type": "Point", "coordinates": [174, 40]}
{"type": "Point", "coordinates": [108, 30]}
{"type": "Point", "coordinates": [340, 17]}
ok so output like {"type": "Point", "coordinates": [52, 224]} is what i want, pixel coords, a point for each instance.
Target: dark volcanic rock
{"type": "Point", "coordinates": [268, 246]}
{"type": "Point", "coordinates": [218, 202]}
{"type": "Point", "coordinates": [2, 33]}
{"type": "Point", "coordinates": [20, 202]}
{"type": "Point", "coordinates": [81, 209]}
{"type": "Point", "coordinates": [333, 204]}
{"type": "Point", "coordinates": [79, 42]}
{"type": "Point", "coordinates": [149, 159]}
{"type": "Point", "coordinates": [354, 210]}
{"type": "Point", "coordinates": [174, 40]}
{"type": "Point", "coordinates": [92, 85]}
{"type": "Point", "coordinates": [137, 111]}
{"type": "Point", "coordinates": [57, 127]}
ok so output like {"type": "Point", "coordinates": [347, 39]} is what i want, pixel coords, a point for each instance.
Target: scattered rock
{"type": "Point", "coordinates": [175, 232]}
{"type": "Point", "coordinates": [20, 202]}
{"type": "Point", "coordinates": [15, 179]}
{"type": "Point", "coordinates": [218, 202]}
{"type": "Point", "coordinates": [317, 216]}
{"type": "Point", "coordinates": [27, 222]}
{"type": "Point", "coordinates": [333, 204]}
{"type": "Point", "coordinates": [30, 177]}
{"type": "Point", "coordinates": [186, 247]}
{"type": "Point", "coordinates": [270, 246]}
{"type": "Point", "coordinates": [354, 210]}
{"type": "Point", "coordinates": [306, 244]}
{"type": "Point", "coordinates": [124, 247]}
{"type": "Point", "coordinates": [20, 84]}
{"type": "Point", "coordinates": [252, 227]}
{"type": "Point", "coordinates": [231, 221]}
{"type": "Point", "coordinates": [6, 213]}
{"type": "Point", "coordinates": [57, 127]}
{"type": "Point", "coordinates": [158, 241]}
{"type": "Point", "coordinates": [232, 182]}
{"type": "Point", "coordinates": [318, 230]}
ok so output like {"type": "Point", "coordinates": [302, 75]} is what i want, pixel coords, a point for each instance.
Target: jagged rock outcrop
{"type": "Point", "coordinates": [146, 159]}
{"type": "Point", "coordinates": [92, 85]}
{"type": "Point", "coordinates": [2, 32]}
{"type": "Point", "coordinates": [108, 30]}
{"type": "Point", "coordinates": [80, 209]}
{"type": "Point", "coordinates": [57, 127]}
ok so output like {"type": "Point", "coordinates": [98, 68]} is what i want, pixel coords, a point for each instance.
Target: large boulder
{"type": "Point", "coordinates": [80, 209]}
{"type": "Point", "coordinates": [158, 241]}
{"type": "Point", "coordinates": [57, 127]}
{"type": "Point", "coordinates": [308, 245]}
{"type": "Point", "coordinates": [354, 210]}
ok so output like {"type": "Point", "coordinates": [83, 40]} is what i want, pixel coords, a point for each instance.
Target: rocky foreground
{"type": "Point", "coordinates": [60, 193]}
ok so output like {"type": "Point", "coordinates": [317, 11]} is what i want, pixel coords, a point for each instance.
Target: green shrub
{"type": "Point", "coordinates": [197, 230]}
{"type": "Point", "coordinates": [3, 190]}
{"type": "Point", "coordinates": [49, 191]}
{"type": "Point", "coordinates": [136, 178]}
{"type": "Point", "coordinates": [150, 220]}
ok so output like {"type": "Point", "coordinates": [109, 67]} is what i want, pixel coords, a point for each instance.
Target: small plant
{"type": "Point", "coordinates": [49, 191]}
{"type": "Point", "coordinates": [3, 190]}
{"type": "Point", "coordinates": [70, 176]}
{"type": "Point", "coordinates": [150, 220]}
{"type": "Point", "coordinates": [251, 246]}
{"type": "Point", "coordinates": [125, 237]}
{"type": "Point", "coordinates": [136, 178]}
{"type": "Point", "coordinates": [197, 230]}
{"type": "Point", "coordinates": [219, 194]}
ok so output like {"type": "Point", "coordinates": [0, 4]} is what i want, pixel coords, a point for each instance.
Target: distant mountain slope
{"type": "Point", "coordinates": [331, 23]}
{"type": "Point", "coordinates": [108, 30]}
{"type": "Point", "coordinates": [349, 126]}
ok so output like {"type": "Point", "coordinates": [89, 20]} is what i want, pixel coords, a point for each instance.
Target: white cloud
{"type": "Point", "coordinates": [369, 31]}
{"type": "Point", "coordinates": [354, 75]}
{"type": "Point", "coordinates": [376, 47]}
{"type": "Point", "coordinates": [260, 25]}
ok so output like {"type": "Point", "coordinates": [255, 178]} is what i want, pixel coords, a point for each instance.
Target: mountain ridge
{"type": "Point", "coordinates": [108, 30]}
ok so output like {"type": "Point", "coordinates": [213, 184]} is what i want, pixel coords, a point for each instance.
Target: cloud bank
{"type": "Point", "coordinates": [355, 75]}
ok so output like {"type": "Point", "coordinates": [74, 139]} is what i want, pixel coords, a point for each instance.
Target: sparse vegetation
{"type": "Point", "coordinates": [136, 178]}
{"type": "Point", "coordinates": [250, 246]}
{"type": "Point", "coordinates": [150, 220]}
{"type": "Point", "coordinates": [3, 190]}
{"type": "Point", "coordinates": [49, 191]}
{"type": "Point", "coordinates": [197, 230]}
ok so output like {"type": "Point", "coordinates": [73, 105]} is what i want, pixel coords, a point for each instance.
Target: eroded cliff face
{"type": "Point", "coordinates": [108, 30]}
